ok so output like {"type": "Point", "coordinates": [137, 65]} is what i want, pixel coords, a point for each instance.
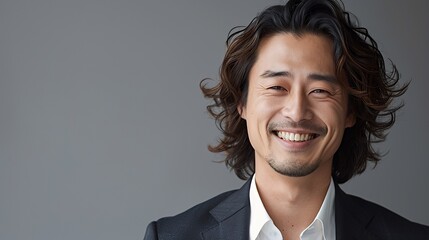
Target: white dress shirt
{"type": "Point", "coordinates": [263, 228]}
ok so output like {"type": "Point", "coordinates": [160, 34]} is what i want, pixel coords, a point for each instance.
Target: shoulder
{"type": "Point", "coordinates": [197, 214]}
{"type": "Point", "coordinates": [383, 222]}
{"type": "Point", "coordinates": [177, 226]}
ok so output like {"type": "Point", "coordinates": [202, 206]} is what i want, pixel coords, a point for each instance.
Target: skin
{"type": "Point", "coordinates": [293, 88]}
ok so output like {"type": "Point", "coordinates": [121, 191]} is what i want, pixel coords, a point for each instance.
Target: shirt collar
{"type": "Point", "coordinates": [326, 213]}
{"type": "Point", "coordinates": [259, 216]}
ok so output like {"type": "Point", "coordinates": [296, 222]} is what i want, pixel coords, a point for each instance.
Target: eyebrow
{"type": "Point", "coordinates": [312, 76]}
{"type": "Point", "coordinates": [272, 74]}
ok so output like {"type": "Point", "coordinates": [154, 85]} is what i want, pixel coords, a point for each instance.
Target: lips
{"type": "Point", "coordinates": [295, 137]}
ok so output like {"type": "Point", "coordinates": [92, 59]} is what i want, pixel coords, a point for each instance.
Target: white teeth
{"type": "Point", "coordinates": [295, 137]}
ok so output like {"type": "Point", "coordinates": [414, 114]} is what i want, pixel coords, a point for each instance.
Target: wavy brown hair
{"type": "Point", "coordinates": [360, 68]}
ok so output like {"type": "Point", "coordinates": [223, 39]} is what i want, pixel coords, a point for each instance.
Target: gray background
{"type": "Point", "coordinates": [103, 127]}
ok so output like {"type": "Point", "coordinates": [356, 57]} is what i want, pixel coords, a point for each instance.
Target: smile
{"type": "Point", "coordinates": [295, 137]}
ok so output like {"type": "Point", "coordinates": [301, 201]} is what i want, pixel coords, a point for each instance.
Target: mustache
{"type": "Point", "coordinates": [304, 125]}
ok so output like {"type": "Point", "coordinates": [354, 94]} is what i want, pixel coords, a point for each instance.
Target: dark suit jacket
{"type": "Point", "coordinates": [227, 216]}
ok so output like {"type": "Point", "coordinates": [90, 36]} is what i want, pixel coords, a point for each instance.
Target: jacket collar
{"type": "Point", "coordinates": [232, 216]}
{"type": "Point", "coordinates": [352, 219]}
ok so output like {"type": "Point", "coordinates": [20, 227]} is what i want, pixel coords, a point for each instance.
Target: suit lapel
{"type": "Point", "coordinates": [352, 220]}
{"type": "Point", "coordinates": [232, 216]}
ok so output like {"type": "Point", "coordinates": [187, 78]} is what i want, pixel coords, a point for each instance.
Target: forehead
{"type": "Point", "coordinates": [307, 52]}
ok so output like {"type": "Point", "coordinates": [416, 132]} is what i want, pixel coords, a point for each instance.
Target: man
{"type": "Point", "coordinates": [303, 93]}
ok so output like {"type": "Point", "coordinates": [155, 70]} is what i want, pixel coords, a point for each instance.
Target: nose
{"type": "Point", "coordinates": [297, 107]}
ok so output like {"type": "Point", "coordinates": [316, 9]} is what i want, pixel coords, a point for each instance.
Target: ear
{"type": "Point", "coordinates": [242, 110]}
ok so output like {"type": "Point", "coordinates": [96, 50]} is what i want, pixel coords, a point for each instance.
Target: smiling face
{"type": "Point", "coordinates": [296, 110]}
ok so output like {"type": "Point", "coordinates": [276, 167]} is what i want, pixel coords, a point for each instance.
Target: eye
{"type": "Point", "coordinates": [320, 92]}
{"type": "Point", "coordinates": [277, 88]}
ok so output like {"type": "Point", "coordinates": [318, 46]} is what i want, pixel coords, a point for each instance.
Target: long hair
{"type": "Point", "coordinates": [359, 66]}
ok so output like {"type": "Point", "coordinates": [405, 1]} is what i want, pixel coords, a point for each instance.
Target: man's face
{"type": "Point", "coordinates": [296, 110]}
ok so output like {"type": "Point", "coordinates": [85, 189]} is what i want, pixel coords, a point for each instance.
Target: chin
{"type": "Point", "coordinates": [293, 169]}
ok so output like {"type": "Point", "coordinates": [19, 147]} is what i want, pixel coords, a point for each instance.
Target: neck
{"type": "Point", "coordinates": [292, 202]}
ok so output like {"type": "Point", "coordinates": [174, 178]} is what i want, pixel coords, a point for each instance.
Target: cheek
{"type": "Point", "coordinates": [334, 118]}
{"type": "Point", "coordinates": [259, 113]}
{"type": "Point", "coordinates": [262, 108]}
{"type": "Point", "coordinates": [333, 115]}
